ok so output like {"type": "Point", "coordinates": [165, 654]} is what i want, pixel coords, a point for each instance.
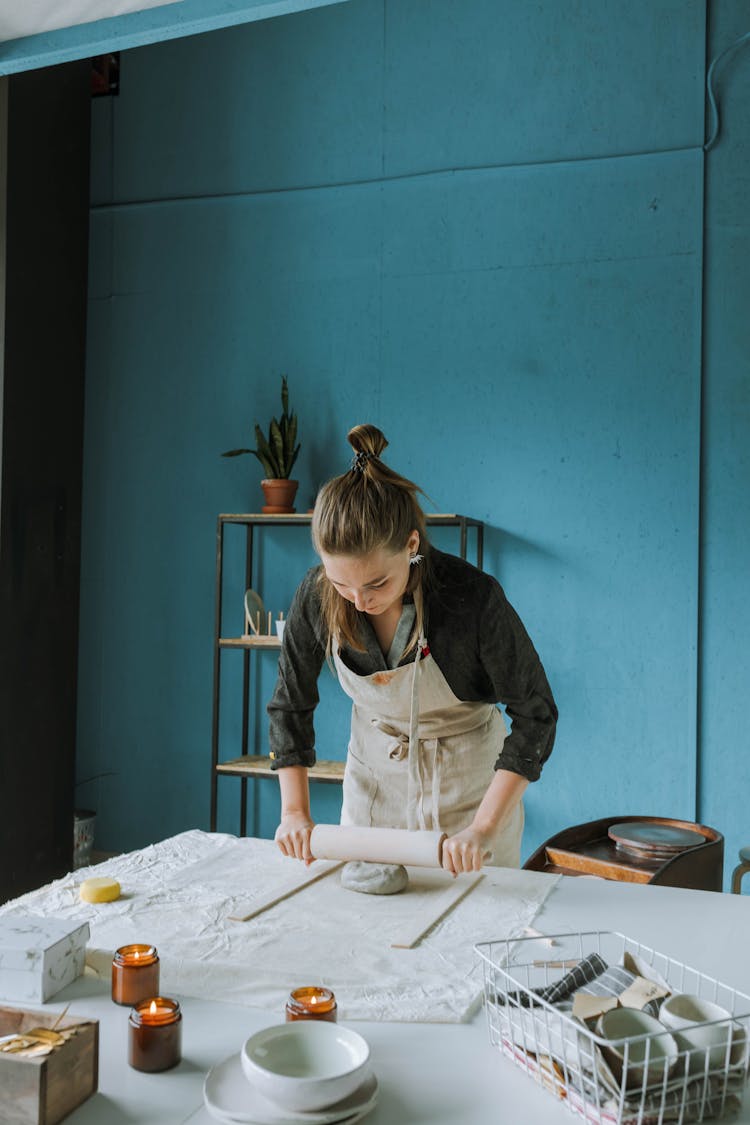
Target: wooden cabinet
{"type": "Point", "coordinates": [587, 849]}
{"type": "Point", "coordinates": [252, 763]}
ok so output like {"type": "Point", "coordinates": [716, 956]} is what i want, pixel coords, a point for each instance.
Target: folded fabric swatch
{"type": "Point", "coordinates": [613, 982]}
{"type": "Point", "coordinates": [590, 969]}
{"type": "Point", "coordinates": [583, 973]}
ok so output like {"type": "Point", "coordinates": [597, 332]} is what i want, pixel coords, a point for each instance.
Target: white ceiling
{"type": "Point", "coordinates": [19, 18]}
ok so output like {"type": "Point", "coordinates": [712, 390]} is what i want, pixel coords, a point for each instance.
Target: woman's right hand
{"type": "Point", "coordinates": [293, 836]}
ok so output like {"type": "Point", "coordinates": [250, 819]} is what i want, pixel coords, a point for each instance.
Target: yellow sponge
{"type": "Point", "coordinates": [99, 889]}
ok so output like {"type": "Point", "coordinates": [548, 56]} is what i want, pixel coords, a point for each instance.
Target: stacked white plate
{"type": "Point", "coordinates": [230, 1097]}
{"type": "Point", "coordinates": [653, 841]}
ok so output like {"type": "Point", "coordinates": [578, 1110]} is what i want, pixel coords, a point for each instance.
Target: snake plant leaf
{"type": "Point", "coordinates": [263, 446]}
{"type": "Point", "coordinates": [277, 443]}
{"type": "Point", "coordinates": [268, 468]}
{"type": "Point", "coordinates": [266, 452]}
{"type": "Point", "coordinates": [278, 452]}
{"type": "Point", "coordinates": [291, 434]}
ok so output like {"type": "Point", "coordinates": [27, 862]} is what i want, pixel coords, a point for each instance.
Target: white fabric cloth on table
{"type": "Point", "coordinates": [178, 895]}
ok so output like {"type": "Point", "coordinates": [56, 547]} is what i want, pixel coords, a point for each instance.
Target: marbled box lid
{"type": "Point", "coordinates": [29, 941]}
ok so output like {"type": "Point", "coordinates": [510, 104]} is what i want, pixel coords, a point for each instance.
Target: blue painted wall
{"type": "Point", "coordinates": [479, 226]}
{"type": "Point", "coordinates": [725, 541]}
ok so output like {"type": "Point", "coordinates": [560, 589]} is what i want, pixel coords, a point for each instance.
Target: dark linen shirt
{"type": "Point", "coordinates": [475, 636]}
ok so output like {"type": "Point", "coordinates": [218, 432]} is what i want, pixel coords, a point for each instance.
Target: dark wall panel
{"type": "Point", "coordinates": [45, 268]}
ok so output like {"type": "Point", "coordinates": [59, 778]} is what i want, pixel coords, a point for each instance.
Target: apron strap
{"type": "Point", "coordinates": [434, 746]}
{"type": "Point", "coordinates": [421, 754]}
{"type": "Point", "coordinates": [408, 746]}
{"type": "Point", "coordinates": [415, 790]}
{"type": "Point", "coordinates": [428, 750]}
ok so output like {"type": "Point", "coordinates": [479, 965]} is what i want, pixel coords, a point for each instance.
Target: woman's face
{"type": "Point", "coordinates": [375, 582]}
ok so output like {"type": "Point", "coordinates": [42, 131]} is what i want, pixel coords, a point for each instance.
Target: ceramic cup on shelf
{"type": "Point", "coordinates": [701, 1027]}
{"type": "Point", "coordinates": [280, 629]}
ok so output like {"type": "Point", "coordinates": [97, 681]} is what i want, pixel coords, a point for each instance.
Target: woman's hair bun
{"type": "Point", "coordinates": [367, 439]}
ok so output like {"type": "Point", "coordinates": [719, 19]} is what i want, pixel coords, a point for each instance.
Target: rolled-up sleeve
{"type": "Point", "coordinates": [520, 684]}
{"type": "Point", "coordinates": [295, 697]}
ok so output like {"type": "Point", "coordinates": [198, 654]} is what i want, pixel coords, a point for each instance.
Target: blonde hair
{"type": "Point", "coordinates": [368, 508]}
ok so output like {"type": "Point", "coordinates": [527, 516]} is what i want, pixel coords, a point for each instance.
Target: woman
{"type": "Point", "coordinates": [426, 645]}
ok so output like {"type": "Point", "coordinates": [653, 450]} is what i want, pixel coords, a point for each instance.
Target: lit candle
{"type": "Point", "coordinates": [311, 1004]}
{"type": "Point", "coordinates": [135, 974]}
{"type": "Point", "coordinates": [155, 1034]}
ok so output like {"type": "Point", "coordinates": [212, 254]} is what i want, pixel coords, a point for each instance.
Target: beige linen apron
{"type": "Point", "coordinates": [418, 757]}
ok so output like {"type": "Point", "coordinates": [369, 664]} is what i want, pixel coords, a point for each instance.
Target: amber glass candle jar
{"type": "Point", "coordinates": [135, 974]}
{"type": "Point", "coordinates": [311, 1004]}
{"type": "Point", "coordinates": [155, 1034]}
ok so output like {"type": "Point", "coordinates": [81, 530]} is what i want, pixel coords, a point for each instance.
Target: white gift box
{"type": "Point", "coordinates": [39, 956]}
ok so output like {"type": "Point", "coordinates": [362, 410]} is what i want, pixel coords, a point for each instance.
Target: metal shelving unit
{"type": "Point", "coordinates": [253, 765]}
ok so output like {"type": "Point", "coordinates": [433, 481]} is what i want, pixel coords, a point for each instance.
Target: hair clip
{"type": "Point", "coordinates": [360, 460]}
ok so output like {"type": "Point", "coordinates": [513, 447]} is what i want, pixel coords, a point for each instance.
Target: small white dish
{"type": "Point", "coordinates": [639, 1048]}
{"type": "Point", "coordinates": [700, 1027]}
{"type": "Point", "coordinates": [306, 1064]}
{"type": "Point", "coordinates": [256, 611]}
{"type": "Point", "coordinates": [230, 1098]}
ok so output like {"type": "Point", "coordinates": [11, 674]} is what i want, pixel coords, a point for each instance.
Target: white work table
{"type": "Point", "coordinates": [429, 1074]}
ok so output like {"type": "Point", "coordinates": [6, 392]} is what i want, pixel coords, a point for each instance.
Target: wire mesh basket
{"type": "Point", "coordinates": [647, 1079]}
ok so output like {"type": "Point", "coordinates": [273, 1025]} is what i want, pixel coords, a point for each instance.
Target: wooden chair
{"type": "Point", "coordinates": [741, 869]}
{"type": "Point", "coordinates": [586, 849]}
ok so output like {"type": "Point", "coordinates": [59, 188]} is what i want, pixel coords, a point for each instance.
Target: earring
{"type": "Point", "coordinates": [415, 560]}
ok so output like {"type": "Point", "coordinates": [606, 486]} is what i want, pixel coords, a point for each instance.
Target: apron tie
{"type": "Point", "coordinates": [400, 747]}
{"type": "Point", "coordinates": [427, 747]}
{"type": "Point", "coordinates": [415, 750]}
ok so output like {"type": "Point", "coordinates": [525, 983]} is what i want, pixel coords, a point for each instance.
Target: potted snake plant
{"type": "Point", "coordinates": [277, 454]}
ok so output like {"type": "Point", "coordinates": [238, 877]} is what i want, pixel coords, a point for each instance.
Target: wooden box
{"type": "Point", "coordinates": [43, 1089]}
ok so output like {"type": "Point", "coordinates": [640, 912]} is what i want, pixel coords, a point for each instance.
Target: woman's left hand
{"type": "Point", "coordinates": [466, 851]}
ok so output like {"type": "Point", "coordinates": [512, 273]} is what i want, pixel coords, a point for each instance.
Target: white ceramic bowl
{"type": "Point", "coordinates": [639, 1047]}
{"type": "Point", "coordinates": [699, 1026]}
{"type": "Point", "coordinates": [306, 1064]}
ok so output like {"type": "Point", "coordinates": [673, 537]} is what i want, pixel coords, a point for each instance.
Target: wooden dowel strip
{"type": "Point", "coordinates": [432, 911]}
{"type": "Point", "coordinates": [309, 875]}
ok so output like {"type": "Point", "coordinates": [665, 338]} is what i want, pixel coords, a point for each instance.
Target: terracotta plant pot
{"type": "Point", "coordinates": [279, 496]}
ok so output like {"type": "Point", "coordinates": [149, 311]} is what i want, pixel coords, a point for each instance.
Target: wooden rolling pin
{"type": "Point", "coordinates": [378, 845]}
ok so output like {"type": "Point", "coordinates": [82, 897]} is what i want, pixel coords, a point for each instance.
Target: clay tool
{"type": "Point", "coordinates": [529, 931]}
{"type": "Point", "coordinates": [377, 845]}
{"type": "Point", "coordinates": [556, 964]}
